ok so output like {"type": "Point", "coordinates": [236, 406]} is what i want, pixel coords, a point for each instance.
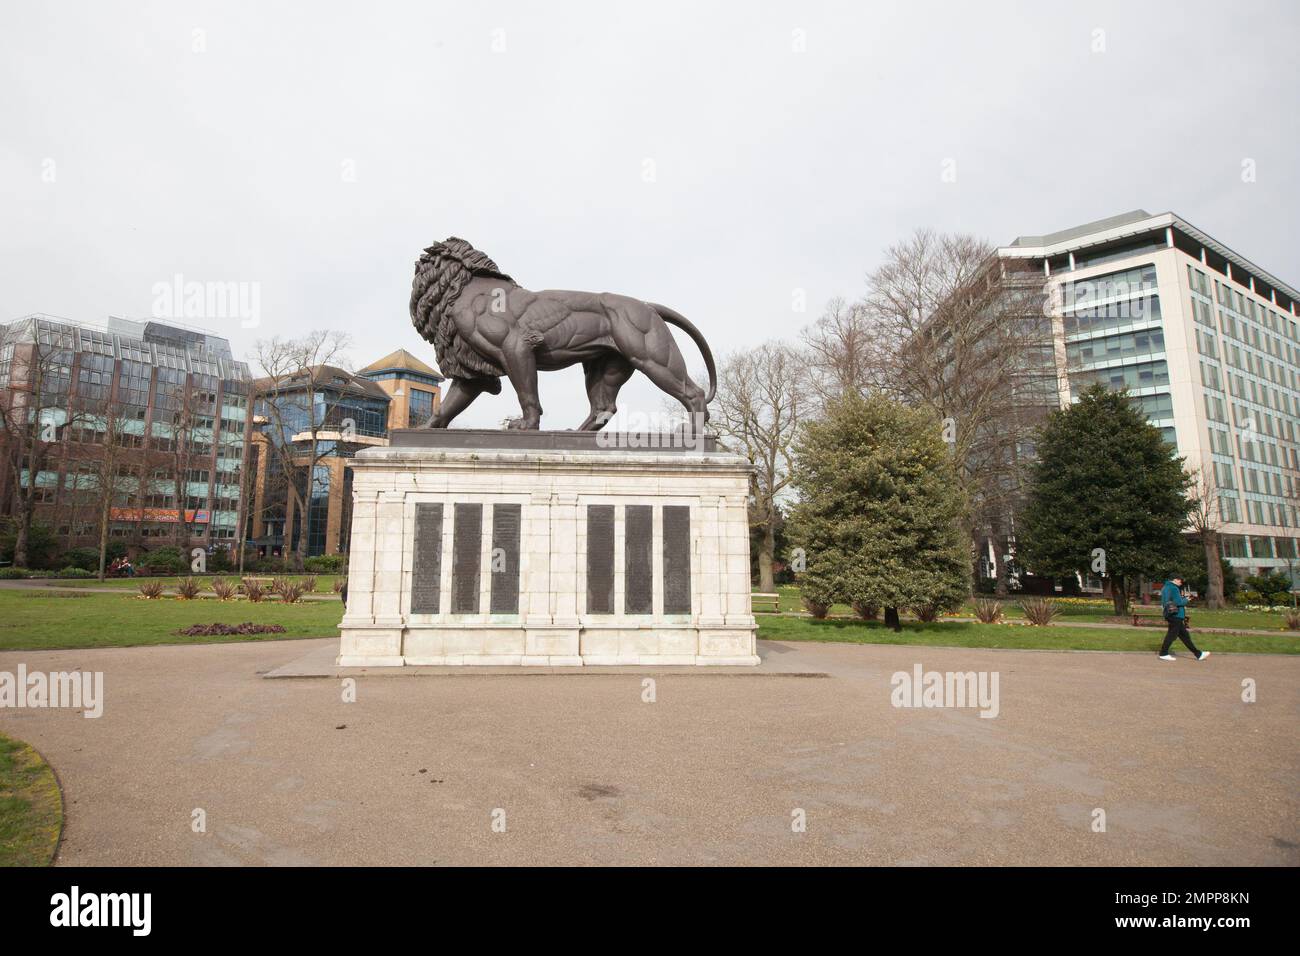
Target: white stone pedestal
{"type": "Point", "coordinates": [546, 548]}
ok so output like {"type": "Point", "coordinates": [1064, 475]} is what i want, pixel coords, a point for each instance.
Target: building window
{"type": "Point", "coordinates": [421, 407]}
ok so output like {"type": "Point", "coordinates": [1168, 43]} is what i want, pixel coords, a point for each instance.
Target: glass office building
{"type": "Point", "coordinates": [350, 412]}
{"type": "Point", "coordinates": [171, 400]}
{"type": "Point", "coordinates": [1207, 344]}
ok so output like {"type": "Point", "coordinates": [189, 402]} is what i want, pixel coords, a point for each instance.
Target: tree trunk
{"type": "Point", "coordinates": [1003, 587]}
{"type": "Point", "coordinates": [891, 619]}
{"type": "Point", "coordinates": [25, 497]}
{"type": "Point", "coordinates": [307, 500]}
{"type": "Point", "coordinates": [766, 553]}
{"type": "Point", "coordinates": [27, 508]}
{"type": "Point", "coordinates": [1119, 595]}
{"type": "Point", "coordinates": [103, 536]}
{"type": "Point", "coordinates": [298, 512]}
{"type": "Point", "coordinates": [20, 539]}
{"type": "Point", "coordinates": [1213, 571]}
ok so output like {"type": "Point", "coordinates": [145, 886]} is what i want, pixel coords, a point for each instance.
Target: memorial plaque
{"type": "Point", "coordinates": [505, 559]}
{"type": "Point", "coordinates": [677, 559]}
{"type": "Point", "coordinates": [426, 568]}
{"type": "Point", "coordinates": [600, 559]}
{"type": "Point", "coordinates": [638, 561]}
{"type": "Point", "coordinates": [466, 551]}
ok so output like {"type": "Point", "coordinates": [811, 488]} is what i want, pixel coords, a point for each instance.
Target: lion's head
{"type": "Point", "coordinates": [441, 272]}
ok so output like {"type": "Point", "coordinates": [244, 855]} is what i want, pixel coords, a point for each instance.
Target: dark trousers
{"type": "Point", "coordinates": [1178, 629]}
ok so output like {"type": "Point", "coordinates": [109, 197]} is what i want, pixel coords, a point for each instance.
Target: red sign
{"type": "Point", "coordinates": [192, 516]}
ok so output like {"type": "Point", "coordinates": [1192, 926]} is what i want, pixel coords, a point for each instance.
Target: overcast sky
{"type": "Point", "coordinates": [715, 157]}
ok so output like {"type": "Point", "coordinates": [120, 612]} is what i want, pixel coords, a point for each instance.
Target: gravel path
{"type": "Point", "coordinates": [583, 770]}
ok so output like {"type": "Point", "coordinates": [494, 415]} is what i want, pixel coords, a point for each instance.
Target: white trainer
{"type": "Point", "coordinates": [1203, 655]}
{"type": "Point", "coordinates": [1168, 657]}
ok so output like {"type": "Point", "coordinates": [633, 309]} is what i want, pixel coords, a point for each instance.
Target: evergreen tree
{"type": "Point", "coordinates": [1106, 486]}
{"type": "Point", "coordinates": [879, 511]}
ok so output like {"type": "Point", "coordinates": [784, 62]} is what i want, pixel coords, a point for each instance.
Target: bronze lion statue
{"type": "Point", "coordinates": [483, 325]}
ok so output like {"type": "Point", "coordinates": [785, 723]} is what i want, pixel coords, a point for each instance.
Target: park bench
{"type": "Point", "coordinates": [763, 601]}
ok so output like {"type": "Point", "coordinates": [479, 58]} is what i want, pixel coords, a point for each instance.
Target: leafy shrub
{"type": "Point", "coordinates": [13, 574]}
{"type": "Point", "coordinates": [267, 565]}
{"type": "Point", "coordinates": [162, 554]}
{"type": "Point", "coordinates": [290, 591]}
{"type": "Point", "coordinates": [219, 560]}
{"type": "Point", "coordinates": [151, 590]}
{"type": "Point", "coordinates": [309, 583]}
{"type": "Point", "coordinates": [816, 608]}
{"type": "Point", "coordinates": [163, 561]}
{"type": "Point", "coordinates": [340, 583]}
{"type": "Point", "coordinates": [1272, 583]}
{"type": "Point", "coordinates": [927, 613]}
{"type": "Point", "coordinates": [988, 611]}
{"type": "Point", "coordinates": [88, 558]}
{"type": "Point", "coordinates": [255, 591]}
{"type": "Point", "coordinates": [85, 558]}
{"type": "Point", "coordinates": [1249, 597]}
{"type": "Point", "coordinates": [324, 564]}
{"type": "Point", "coordinates": [224, 589]}
{"type": "Point", "coordinates": [1293, 619]}
{"type": "Point", "coordinates": [79, 573]}
{"type": "Point", "coordinates": [188, 588]}
{"type": "Point", "coordinates": [248, 627]}
{"type": "Point", "coordinates": [868, 612]}
{"type": "Point", "coordinates": [42, 545]}
{"type": "Point", "coordinates": [1039, 611]}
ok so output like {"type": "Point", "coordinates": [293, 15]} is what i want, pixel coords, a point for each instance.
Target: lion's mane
{"type": "Point", "coordinates": [440, 274]}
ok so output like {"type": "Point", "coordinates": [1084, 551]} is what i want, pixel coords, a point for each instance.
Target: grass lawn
{"type": "Point", "coordinates": [774, 627]}
{"type": "Point", "coordinates": [40, 619]}
{"type": "Point", "coordinates": [324, 582]}
{"type": "Point", "coordinates": [1096, 611]}
{"type": "Point", "coordinates": [31, 810]}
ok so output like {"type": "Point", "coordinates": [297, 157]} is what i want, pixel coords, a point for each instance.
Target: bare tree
{"type": "Point", "coordinates": [837, 352]}
{"type": "Point", "coordinates": [177, 443]}
{"type": "Point", "coordinates": [756, 411]}
{"type": "Point", "coordinates": [948, 326]}
{"type": "Point", "coordinates": [1206, 520]}
{"type": "Point", "coordinates": [35, 412]}
{"type": "Point", "coordinates": [299, 407]}
{"type": "Point", "coordinates": [113, 480]}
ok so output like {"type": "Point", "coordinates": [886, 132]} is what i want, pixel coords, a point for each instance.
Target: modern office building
{"type": "Point", "coordinates": [415, 389]}
{"type": "Point", "coordinates": [171, 401]}
{"type": "Point", "coordinates": [1207, 343]}
{"type": "Point", "coordinates": [350, 412]}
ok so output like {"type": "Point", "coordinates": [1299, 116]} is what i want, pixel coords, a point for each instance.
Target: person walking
{"type": "Point", "coordinates": [1174, 605]}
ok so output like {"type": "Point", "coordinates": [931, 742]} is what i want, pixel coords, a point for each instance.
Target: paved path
{"type": "Point", "coordinates": [586, 772]}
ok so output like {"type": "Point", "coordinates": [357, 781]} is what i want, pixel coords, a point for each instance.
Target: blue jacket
{"type": "Point", "coordinates": [1170, 593]}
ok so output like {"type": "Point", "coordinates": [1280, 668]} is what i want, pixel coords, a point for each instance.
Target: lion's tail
{"type": "Point", "coordinates": [686, 325]}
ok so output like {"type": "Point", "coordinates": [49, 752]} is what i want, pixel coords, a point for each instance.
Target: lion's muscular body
{"type": "Point", "coordinates": [562, 327]}
{"type": "Point", "coordinates": [486, 326]}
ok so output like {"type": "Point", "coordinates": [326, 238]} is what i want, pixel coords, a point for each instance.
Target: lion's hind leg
{"type": "Point", "coordinates": [604, 377]}
{"type": "Point", "coordinates": [678, 385]}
